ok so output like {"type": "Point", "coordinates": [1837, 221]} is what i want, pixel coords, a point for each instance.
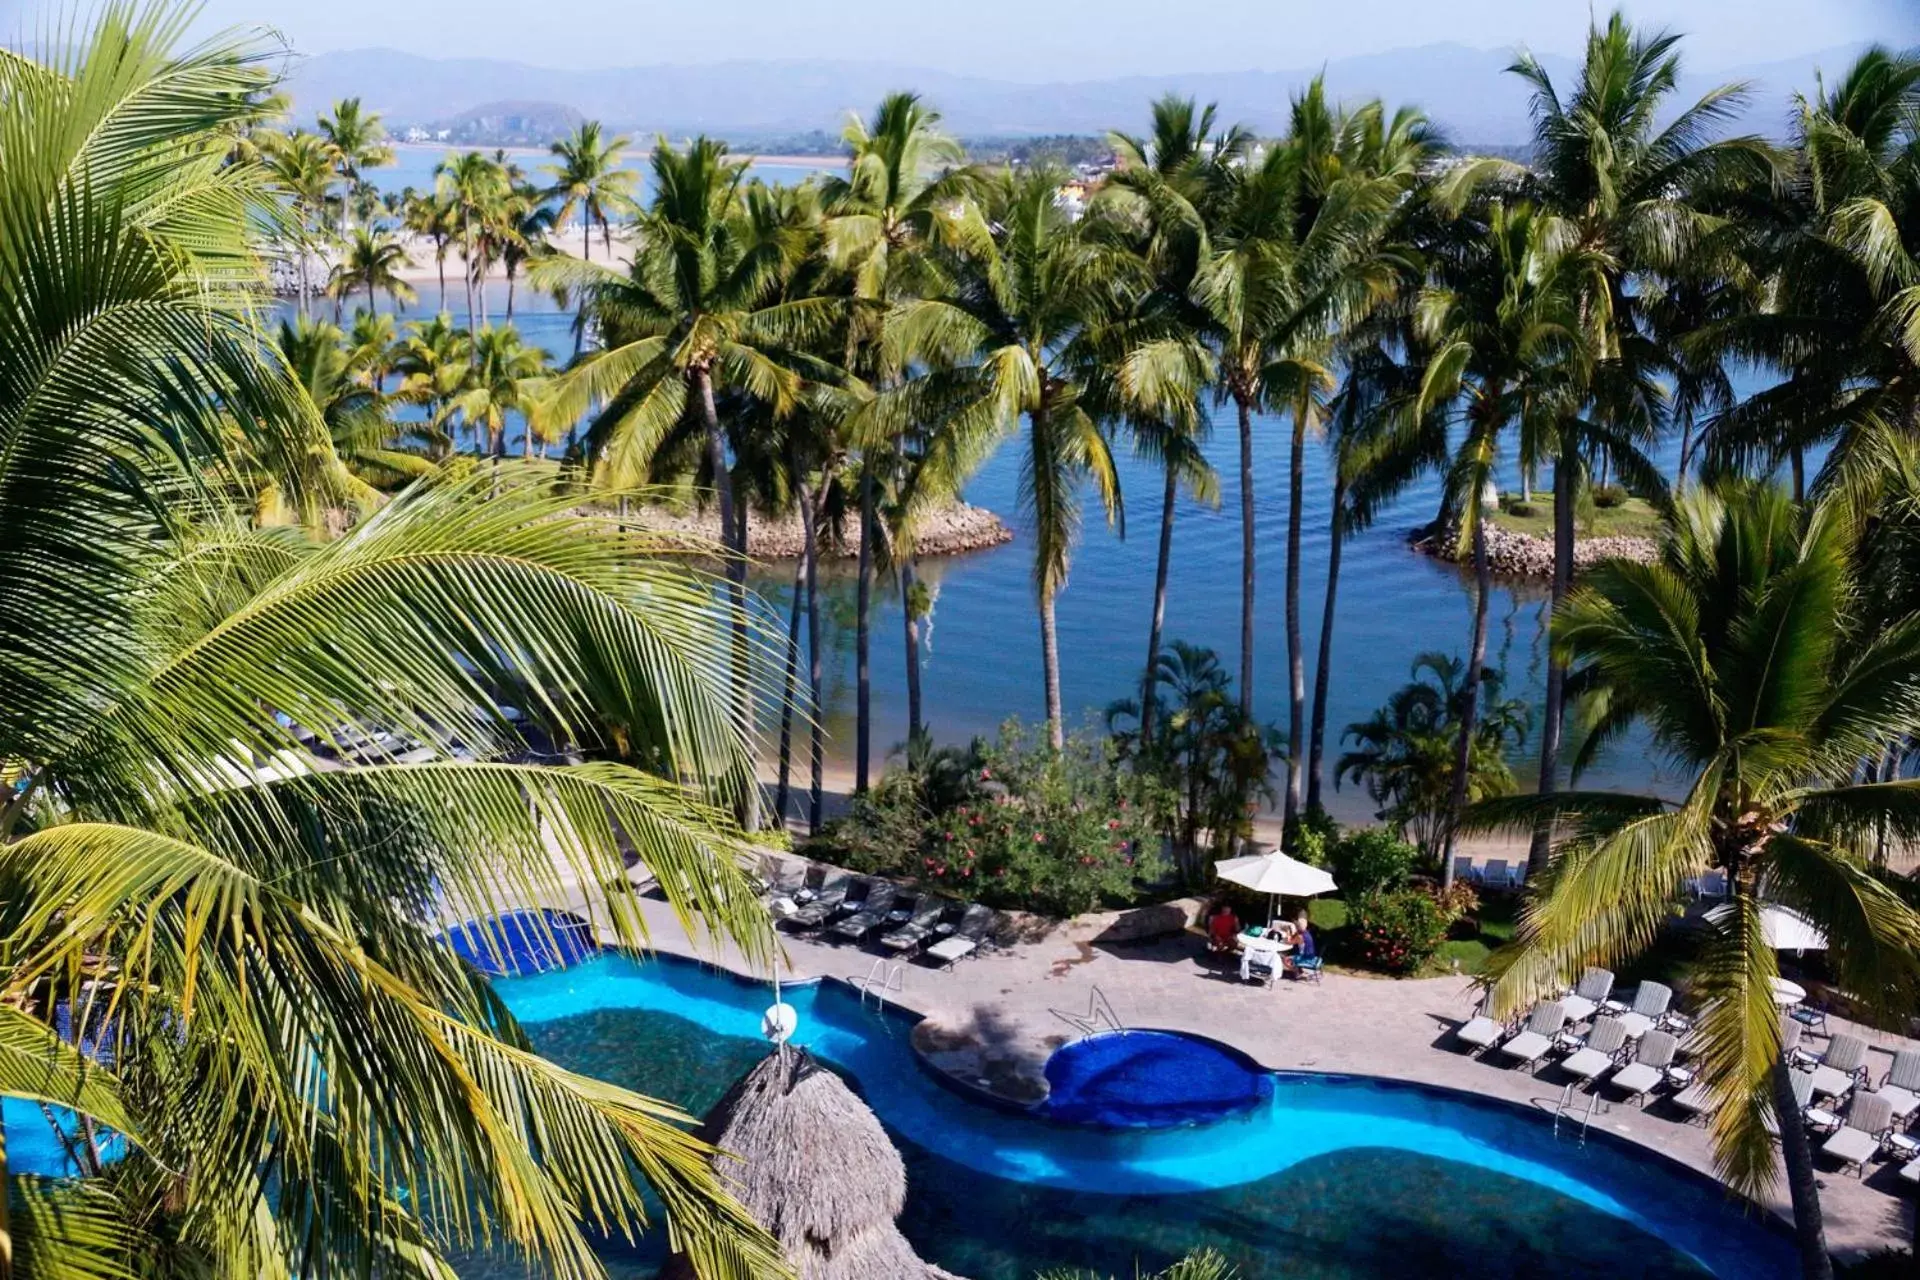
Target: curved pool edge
{"type": "Point", "coordinates": [1774, 1222]}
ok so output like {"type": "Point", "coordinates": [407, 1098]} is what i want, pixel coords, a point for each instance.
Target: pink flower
{"type": "Point", "coordinates": [1113, 824]}
{"type": "Point", "coordinates": [1039, 837]}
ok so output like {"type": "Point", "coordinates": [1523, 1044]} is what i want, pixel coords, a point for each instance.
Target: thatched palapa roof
{"type": "Point", "coordinates": [814, 1167]}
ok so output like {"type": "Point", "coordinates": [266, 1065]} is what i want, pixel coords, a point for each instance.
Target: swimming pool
{"type": "Point", "coordinates": [1322, 1176]}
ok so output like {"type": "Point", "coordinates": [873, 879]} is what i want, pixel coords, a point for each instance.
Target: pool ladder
{"type": "Point", "coordinates": [883, 976]}
{"type": "Point", "coordinates": [1566, 1105]}
{"type": "Point", "coordinates": [1098, 1017]}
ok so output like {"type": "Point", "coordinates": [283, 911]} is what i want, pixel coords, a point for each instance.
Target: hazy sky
{"type": "Point", "coordinates": [1032, 39]}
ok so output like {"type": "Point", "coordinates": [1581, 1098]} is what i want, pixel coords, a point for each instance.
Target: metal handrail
{"type": "Point", "coordinates": [1099, 1011]}
{"type": "Point", "coordinates": [890, 977]}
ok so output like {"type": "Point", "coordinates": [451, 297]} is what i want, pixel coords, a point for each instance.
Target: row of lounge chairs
{"type": "Point", "coordinates": [1874, 1121]}
{"type": "Point", "coordinates": [867, 909]}
{"type": "Point", "coordinates": [1496, 874]}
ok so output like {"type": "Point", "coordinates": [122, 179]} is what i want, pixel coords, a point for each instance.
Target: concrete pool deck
{"type": "Point", "coordinates": [992, 1020]}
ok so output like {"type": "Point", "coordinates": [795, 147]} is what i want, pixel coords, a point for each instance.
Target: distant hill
{"type": "Point", "coordinates": [1462, 88]}
{"type": "Point", "coordinates": [509, 123]}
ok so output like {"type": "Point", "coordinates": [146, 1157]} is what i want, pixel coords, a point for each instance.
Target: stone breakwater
{"type": "Point", "coordinates": [1522, 555]}
{"type": "Point", "coordinates": [956, 529]}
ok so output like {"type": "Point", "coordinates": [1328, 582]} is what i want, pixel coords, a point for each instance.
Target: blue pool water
{"type": "Point", "coordinates": [1150, 1080]}
{"type": "Point", "coordinates": [1319, 1176]}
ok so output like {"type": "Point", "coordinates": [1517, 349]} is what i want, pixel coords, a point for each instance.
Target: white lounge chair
{"type": "Point", "coordinates": [967, 937]}
{"type": "Point", "coordinates": [1841, 1067]}
{"type": "Point", "coordinates": [1494, 874]}
{"type": "Point", "coordinates": [1901, 1086]}
{"type": "Point", "coordinates": [1869, 1119]}
{"type": "Point", "coordinates": [1594, 987]}
{"type": "Point", "coordinates": [1649, 1066]}
{"type": "Point", "coordinates": [1649, 1005]}
{"type": "Point", "coordinates": [1480, 1032]}
{"type": "Point", "coordinates": [1694, 1102]}
{"type": "Point", "coordinates": [1802, 1084]}
{"type": "Point", "coordinates": [1535, 1041]}
{"type": "Point", "coordinates": [1600, 1052]}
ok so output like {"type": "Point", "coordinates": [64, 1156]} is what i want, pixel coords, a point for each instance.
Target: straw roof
{"type": "Point", "coordinates": [816, 1169]}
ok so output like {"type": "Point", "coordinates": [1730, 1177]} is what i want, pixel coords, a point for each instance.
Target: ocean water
{"type": "Point", "coordinates": [1313, 1175]}
{"type": "Point", "coordinates": [981, 660]}
{"type": "Point", "coordinates": [414, 164]}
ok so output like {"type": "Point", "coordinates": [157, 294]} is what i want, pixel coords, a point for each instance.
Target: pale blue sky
{"type": "Point", "coordinates": [1033, 39]}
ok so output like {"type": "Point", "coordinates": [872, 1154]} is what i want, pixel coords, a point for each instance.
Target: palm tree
{"type": "Point", "coordinates": [698, 313]}
{"type": "Point", "coordinates": [431, 214]}
{"type": "Point", "coordinates": [433, 362]}
{"type": "Point", "coordinates": [1022, 327]}
{"type": "Point", "coordinates": [1161, 185]}
{"type": "Point", "coordinates": [301, 167]}
{"type": "Point", "coordinates": [1630, 191]}
{"type": "Point", "coordinates": [525, 221]}
{"type": "Point", "coordinates": [1736, 650]}
{"type": "Point", "coordinates": [265, 929]}
{"type": "Point", "coordinates": [340, 376]}
{"type": "Point", "coordinates": [473, 187]}
{"type": "Point", "coordinates": [588, 180]}
{"type": "Point", "coordinates": [1502, 322]}
{"type": "Point", "coordinates": [373, 262]}
{"type": "Point", "coordinates": [358, 142]}
{"type": "Point", "coordinates": [900, 198]}
{"type": "Point", "coordinates": [506, 377]}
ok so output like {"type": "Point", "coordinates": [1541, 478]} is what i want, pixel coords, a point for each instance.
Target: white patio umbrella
{"type": "Point", "coordinates": [1784, 928]}
{"type": "Point", "coordinates": [1275, 873]}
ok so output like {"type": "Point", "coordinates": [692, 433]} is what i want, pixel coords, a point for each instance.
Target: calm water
{"type": "Point", "coordinates": [982, 656]}
{"type": "Point", "coordinates": [414, 163]}
{"type": "Point", "coordinates": [1320, 1176]}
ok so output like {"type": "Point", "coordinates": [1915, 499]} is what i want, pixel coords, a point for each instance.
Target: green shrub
{"type": "Point", "coordinates": [1399, 931]}
{"type": "Point", "coordinates": [1313, 837]}
{"type": "Point", "coordinates": [1522, 510]}
{"type": "Point", "coordinates": [1609, 495]}
{"type": "Point", "coordinates": [1371, 860]}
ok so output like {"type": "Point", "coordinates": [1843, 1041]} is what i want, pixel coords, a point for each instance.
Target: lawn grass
{"type": "Point", "coordinates": [1497, 916]}
{"type": "Point", "coordinates": [1633, 518]}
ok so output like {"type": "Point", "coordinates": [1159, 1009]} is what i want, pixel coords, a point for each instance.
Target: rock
{"type": "Point", "coordinates": [956, 529]}
{"type": "Point", "coordinates": [1521, 555]}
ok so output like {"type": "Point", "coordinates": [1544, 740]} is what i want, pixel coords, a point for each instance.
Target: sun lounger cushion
{"type": "Point", "coordinates": [1587, 1063]}
{"type": "Point", "coordinates": [1636, 1078]}
{"type": "Point", "coordinates": [1637, 1024]}
{"type": "Point", "coordinates": [1905, 1102]}
{"type": "Point", "coordinates": [1528, 1046]}
{"type": "Point", "coordinates": [1693, 1099]}
{"type": "Point", "coordinates": [1480, 1031]}
{"type": "Point", "coordinates": [1852, 1146]}
{"type": "Point", "coordinates": [1910, 1171]}
{"type": "Point", "coordinates": [948, 950]}
{"type": "Point", "coordinates": [1828, 1083]}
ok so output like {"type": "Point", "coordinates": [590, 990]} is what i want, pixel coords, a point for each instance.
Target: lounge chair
{"type": "Point", "coordinates": [1649, 1066]}
{"type": "Point", "coordinates": [967, 937]}
{"type": "Point", "coordinates": [1494, 874]}
{"type": "Point", "coordinates": [1649, 1006]}
{"type": "Point", "coordinates": [870, 915]}
{"type": "Point", "coordinates": [1869, 1120]}
{"type": "Point", "coordinates": [811, 915]}
{"type": "Point", "coordinates": [1535, 1041]}
{"type": "Point", "coordinates": [1600, 1052]}
{"type": "Point", "coordinates": [1901, 1086]}
{"type": "Point", "coordinates": [1841, 1067]}
{"type": "Point", "coordinates": [1802, 1085]}
{"type": "Point", "coordinates": [1694, 1102]}
{"type": "Point", "coordinates": [1594, 987]}
{"type": "Point", "coordinates": [927, 915]}
{"type": "Point", "coordinates": [1463, 869]}
{"type": "Point", "coordinates": [1480, 1032]}
{"type": "Point", "coordinates": [1910, 1172]}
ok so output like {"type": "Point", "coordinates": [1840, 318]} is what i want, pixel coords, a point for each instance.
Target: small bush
{"type": "Point", "coordinates": [1457, 899]}
{"type": "Point", "coordinates": [1313, 837]}
{"type": "Point", "coordinates": [1371, 860]}
{"type": "Point", "coordinates": [1398, 932]}
{"type": "Point", "coordinates": [1609, 495]}
{"type": "Point", "coordinates": [1522, 510]}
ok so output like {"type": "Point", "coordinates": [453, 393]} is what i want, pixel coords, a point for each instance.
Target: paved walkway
{"type": "Point", "coordinates": [997, 1008]}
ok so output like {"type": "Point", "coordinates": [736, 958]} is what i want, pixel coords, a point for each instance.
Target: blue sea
{"type": "Point", "coordinates": [981, 662]}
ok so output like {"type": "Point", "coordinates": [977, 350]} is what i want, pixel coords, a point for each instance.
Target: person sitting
{"type": "Point", "coordinates": [1302, 948]}
{"type": "Point", "coordinates": [1223, 929]}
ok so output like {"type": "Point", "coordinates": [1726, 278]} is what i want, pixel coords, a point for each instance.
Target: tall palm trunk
{"type": "Point", "coordinates": [1469, 692]}
{"type": "Point", "coordinates": [510, 283]}
{"type": "Point", "coordinates": [1050, 667]}
{"type": "Point", "coordinates": [787, 691]}
{"type": "Point", "coordinates": [1809, 1229]}
{"type": "Point", "coordinates": [466, 273]}
{"type": "Point", "coordinates": [810, 524]}
{"type": "Point", "coordinates": [912, 622]}
{"type": "Point", "coordinates": [1323, 662]}
{"type": "Point", "coordinates": [863, 606]}
{"type": "Point", "coordinates": [733, 538]}
{"type": "Point", "coordinates": [1296, 657]}
{"type": "Point", "coordinates": [1566, 475]}
{"type": "Point", "coordinates": [1798, 460]}
{"type": "Point", "coordinates": [440, 263]}
{"type": "Point", "coordinates": [1150, 685]}
{"type": "Point", "coordinates": [1246, 555]}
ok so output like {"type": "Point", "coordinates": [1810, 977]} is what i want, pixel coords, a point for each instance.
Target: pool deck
{"type": "Point", "coordinates": [993, 1018]}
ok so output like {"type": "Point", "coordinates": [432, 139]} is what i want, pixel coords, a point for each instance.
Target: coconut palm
{"type": "Point", "coordinates": [433, 362]}
{"type": "Point", "coordinates": [301, 167]}
{"type": "Point", "coordinates": [373, 261]}
{"type": "Point", "coordinates": [505, 378]}
{"type": "Point", "coordinates": [589, 180]}
{"type": "Point", "coordinates": [698, 314]}
{"type": "Point", "coordinates": [1736, 650]}
{"type": "Point", "coordinates": [304, 1078]}
{"type": "Point", "coordinates": [337, 375]}
{"type": "Point", "coordinates": [1633, 181]}
{"type": "Point", "coordinates": [358, 142]}
{"type": "Point", "coordinates": [1021, 332]}
{"type": "Point", "coordinates": [1508, 354]}
{"type": "Point", "coordinates": [525, 221]}
{"type": "Point", "coordinates": [905, 191]}
{"type": "Point", "coordinates": [473, 187]}
{"type": "Point", "coordinates": [430, 214]}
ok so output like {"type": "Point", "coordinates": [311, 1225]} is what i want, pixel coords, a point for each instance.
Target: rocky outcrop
{"type": "Point", "coordinates": [1521, 555]}
{"type": "Point", "coordinates": [956, 529]}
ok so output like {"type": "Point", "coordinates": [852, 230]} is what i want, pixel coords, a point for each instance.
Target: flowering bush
{"type": "Point", "coordinates": [1371, 860]}
{"type": "Point", "coordinates": [1398, 931]}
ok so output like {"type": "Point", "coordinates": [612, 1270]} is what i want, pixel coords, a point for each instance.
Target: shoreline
{"type": "Point", "coordinates": [1524, 555]}
{"type": "Point", "coordinates": [953, 530]}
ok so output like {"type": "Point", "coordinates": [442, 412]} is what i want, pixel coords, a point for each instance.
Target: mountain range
{"type": "Point", "coordinates": [1462, 88]}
